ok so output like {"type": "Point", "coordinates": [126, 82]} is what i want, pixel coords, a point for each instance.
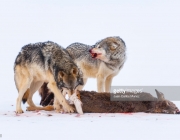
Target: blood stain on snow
{"type": "Point", "coordinates": [127, 113]}
{"type": "Point", "coordinates": [78, 115]}
{"type": "Point", "coordinates": [17, 114]}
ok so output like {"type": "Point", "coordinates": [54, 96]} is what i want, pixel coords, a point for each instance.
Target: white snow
{"type": "Point", "coordinates": [39, 125]}
{"type": "Point", "coordinates": [151, 32]}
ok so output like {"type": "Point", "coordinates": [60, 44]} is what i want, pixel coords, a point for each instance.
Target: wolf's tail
{"type": "Point", "coordinates": [25, 97]}
{"type": "Point", "coordinates": [18, 60]}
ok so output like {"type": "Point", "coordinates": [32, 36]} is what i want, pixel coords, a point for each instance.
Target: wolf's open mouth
{"type": "Point", "coordinates": [94, 55]}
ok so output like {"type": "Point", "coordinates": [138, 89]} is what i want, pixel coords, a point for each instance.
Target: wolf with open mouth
{"type": "Point", "coordinates": [102, 61]}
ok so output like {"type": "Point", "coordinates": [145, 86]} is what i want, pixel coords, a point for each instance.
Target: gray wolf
{"type": "Point", "coordinates": [102, 61]}
{"type": "Point", "coordinates": [94, 102]}
{"type": "Point", "coordinates": [45, 62]}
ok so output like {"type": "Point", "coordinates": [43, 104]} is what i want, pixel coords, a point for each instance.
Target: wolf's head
{"type": "Point", "coordinates": [69, 80]}
{"type": "Point", "coordinates": [108, 49]}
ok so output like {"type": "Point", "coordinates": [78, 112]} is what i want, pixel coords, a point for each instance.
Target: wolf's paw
{"type": "Point", "coordinates": [59, 111]}
{"type": "Point", "coordinates": [57, 108]}
{"type": "Point", "coordinates": [69, 109]}
{"type": "Point", "coordinates": [19, 111]}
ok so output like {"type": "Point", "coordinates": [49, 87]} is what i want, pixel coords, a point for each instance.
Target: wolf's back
{"type": "Point", "coordinates": [36, 53]}
{"type": "Point", "coordinates": [29, 54]}
{"type": "Point", "coordinates": [78, 50]}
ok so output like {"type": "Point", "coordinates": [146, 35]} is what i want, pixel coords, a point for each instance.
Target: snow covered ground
{"type": "Point", "coordinates": [151, 32]}
{"type": "Point", "coordinates": [41, 125]}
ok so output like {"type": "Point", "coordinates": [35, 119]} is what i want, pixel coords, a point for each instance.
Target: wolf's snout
{"type": "Point", "coordinates": [93, 55]}
{"type": "Point", "coordinates": [71, 91]}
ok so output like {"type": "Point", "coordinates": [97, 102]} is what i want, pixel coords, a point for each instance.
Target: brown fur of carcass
{"type": "Point", "coordinates": [94, 102]}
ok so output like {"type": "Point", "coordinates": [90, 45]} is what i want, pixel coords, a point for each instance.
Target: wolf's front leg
{"type": "Point", "coordinates": [108, 83]}
{"type": "Point", "coordinates": [57, 106]}
{"type": "Point", "coordinates": [52, 86]}
{"type": "Point", "coordinates": [100, 83]}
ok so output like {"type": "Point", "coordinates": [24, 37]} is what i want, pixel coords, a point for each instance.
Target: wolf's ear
{"type": "Point", "coordinates": [113, 46]}
{"type": "Point", "coordinates": [74, 71]}
{"type": "Point", "coordinates": [61, 74]}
